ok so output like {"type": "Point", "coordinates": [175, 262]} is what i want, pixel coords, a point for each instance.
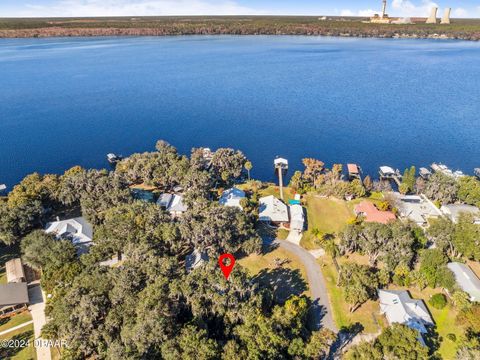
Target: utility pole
{"type": "Point", "coordinates": [281, 165]}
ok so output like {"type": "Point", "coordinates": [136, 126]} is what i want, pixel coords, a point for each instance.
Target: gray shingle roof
{"type": "Point", "coordinates": [13, 294]}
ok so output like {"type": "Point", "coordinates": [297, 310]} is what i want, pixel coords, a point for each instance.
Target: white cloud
{"type": "Point", "coordinates": [347, 12]}
{"type": "Point", "coordinates": [367, 12]}
{"type": "Point", "coordinates": [408, 8]}
{"type": "Point", "coordinates": [460, 13]}
{"type": "Point", "coordinates": [363, 13]}
{"type": "Point", "coordinates": [80, 8]}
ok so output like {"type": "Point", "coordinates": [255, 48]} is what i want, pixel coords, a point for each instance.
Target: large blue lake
{"type": "Point", "coordinates": [375, 102]}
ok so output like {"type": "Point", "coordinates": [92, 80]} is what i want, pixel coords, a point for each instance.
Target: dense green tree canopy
{"type": "Point", "coordinates": [395, 342]}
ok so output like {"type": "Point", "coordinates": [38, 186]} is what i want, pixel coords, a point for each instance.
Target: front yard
{"type": "Point", "coordinates": [368, 314]}
{"type": "Point", "coordinates": [13, 321]}
{"type": "Point", "coordinates": [19, 353]}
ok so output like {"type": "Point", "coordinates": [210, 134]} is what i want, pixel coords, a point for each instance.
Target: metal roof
{"type": "Point", "coordinates": [466, 279]}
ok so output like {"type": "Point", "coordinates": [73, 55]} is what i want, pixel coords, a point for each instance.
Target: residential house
{"type": "Point", "coordinates": [417, 208]}
{"type": "Point", "coordinates": [399, 307]}
{"type": "Point", "coordinates": [454, 211]}
{"type": "Point", "coordinates": [273, 210]}
{"type": "Point", "coordinates": [195, 260]}
{"type": "Point", "coordinates": [371, 214]}
{"type": "Point", "coordinates": [172, 203]}
{"type": "Point", "coordinates": [232, 197]}
{"type": "Point", "coordinates": [297, 218]}
{"type": "Point", "coordinates": [13, 298]}
{"type": "Point", "coordinates": [77, 230]}
{"type": "Point", "coordinates": [466, 279]}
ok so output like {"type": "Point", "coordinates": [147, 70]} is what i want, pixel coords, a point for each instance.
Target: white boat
{"type": "Point", "coordinates": [3, 187]}
{"type": "Point", "coordinates": [113, 158]}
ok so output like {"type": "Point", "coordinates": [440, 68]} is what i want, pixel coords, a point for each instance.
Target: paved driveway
{"type": "Point", "coordinates": [320, 312]}
{"type": "Point", "coordinates": [37, 309]}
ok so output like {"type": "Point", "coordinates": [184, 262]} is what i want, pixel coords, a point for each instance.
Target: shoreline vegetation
{"type": "Point", "coordinates": [461, 29]}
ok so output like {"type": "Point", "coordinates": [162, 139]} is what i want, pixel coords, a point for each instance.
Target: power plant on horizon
{"type": "Point", "coordinates": [385, 19]}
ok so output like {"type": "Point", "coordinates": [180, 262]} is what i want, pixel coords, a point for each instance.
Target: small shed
{"type": "Point", "coordinates": [15, 271]}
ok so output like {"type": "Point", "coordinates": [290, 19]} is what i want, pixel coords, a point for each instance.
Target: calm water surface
{"type": "Point", "coordinates": [375, 102]}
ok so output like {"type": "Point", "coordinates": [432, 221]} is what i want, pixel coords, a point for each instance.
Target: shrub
{"type": "Point", "coordinates": [438, 301]}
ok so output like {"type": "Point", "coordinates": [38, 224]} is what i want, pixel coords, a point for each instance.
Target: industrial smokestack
{"type": "Point", "coordinates": [433, 16]}
{"type": "Point", "coordinates": [446, 16]}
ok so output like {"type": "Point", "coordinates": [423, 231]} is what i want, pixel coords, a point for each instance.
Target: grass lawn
{"type": "Point", "coordinates": [445, 321]}
{"type": "Point", "coordinates": [368, 314]}
{"type": "Point", "coordinates": [288, 279]}
{"type": "Point", "coordinates": [288, 193]}
{"type": "Point", "coordinates": [26, 353]}
{"type": "Point", "coordinates": [13, 321]}
{"type": "Point", "coordinates": [329, 215]}
{"type": "Point", "coordinates": [7, 253]}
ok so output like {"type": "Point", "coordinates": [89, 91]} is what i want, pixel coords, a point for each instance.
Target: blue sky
{"type": "Point", "coordinates": [32, 8]}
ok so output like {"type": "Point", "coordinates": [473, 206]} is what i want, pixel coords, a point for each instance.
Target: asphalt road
{"type": "Point", "coordinates": [320, 312]}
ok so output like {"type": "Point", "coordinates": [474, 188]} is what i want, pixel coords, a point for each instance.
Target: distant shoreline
{"type": "Point", "coordinates": [460, 29]}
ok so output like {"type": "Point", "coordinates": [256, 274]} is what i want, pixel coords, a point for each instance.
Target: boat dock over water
{"type": "Point", "coordinates": [387, 173]}
{"type": "Point", "coordinates": [3, 187]}
{"type": "Point", "coordinates": [441, 168]}
{"type": "Point", "coordinates": [425, 173]}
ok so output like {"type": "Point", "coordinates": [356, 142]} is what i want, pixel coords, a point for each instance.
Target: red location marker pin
{"type": "Point", "coordinates": [226, 269]}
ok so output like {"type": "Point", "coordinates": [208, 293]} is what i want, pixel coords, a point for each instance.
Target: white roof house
{"type": "Point", "coordinates": [453, 212]}
{"type": "Point", "coordinates": [232, 197]}
{"type": "Point", "coordinates": [195, 260]}
{"type": "Point", "coordinates": [466, 279]}
{"type": "Point", "coordinates": [399, 307]}
{"type": "Point", "coordinates": [173, 203]}
{"type": "Point", "coordinates": [297, 218]}
{"type": "Point", "coordinates": [77, 230]}
{"type": "Point", "coordinates": [272, 210]}
{"type": "Point", "coordinates": [417, 208]}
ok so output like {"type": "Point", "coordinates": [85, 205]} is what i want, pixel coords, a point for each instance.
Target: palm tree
{"type": "Point", "coordinates": [248, 167]}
